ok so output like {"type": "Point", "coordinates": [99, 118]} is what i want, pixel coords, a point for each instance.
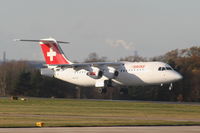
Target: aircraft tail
{"type": "Point", "coordinates": [52, 52]}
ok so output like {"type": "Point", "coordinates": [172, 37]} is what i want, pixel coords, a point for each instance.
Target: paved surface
{"type": "Point", "coordinates": [141, 129]}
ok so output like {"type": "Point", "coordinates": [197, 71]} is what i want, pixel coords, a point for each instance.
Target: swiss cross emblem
{"type": "Point", "coordinates": [51, 54]}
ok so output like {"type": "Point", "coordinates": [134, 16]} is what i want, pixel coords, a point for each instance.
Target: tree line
{"type": "Point", "coordinates": [20, 78]}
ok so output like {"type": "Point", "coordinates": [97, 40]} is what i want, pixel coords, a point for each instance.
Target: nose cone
{"type": "Point", "coordinates": [177, 76]}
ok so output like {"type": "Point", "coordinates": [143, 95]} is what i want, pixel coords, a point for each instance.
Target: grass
{"type": "Point", "coordinates": [68, 112]}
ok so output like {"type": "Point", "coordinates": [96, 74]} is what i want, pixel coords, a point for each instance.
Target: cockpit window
{"type": "Point", "coordinates": [164, 68]}
{"type": "Point", "coordinates": [169, 68]}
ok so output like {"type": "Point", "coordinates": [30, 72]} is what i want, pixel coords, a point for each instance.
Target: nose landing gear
{"type": "Point", "coordinates": [170, 86]}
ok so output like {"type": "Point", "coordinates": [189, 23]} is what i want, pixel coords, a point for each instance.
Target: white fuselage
{"type": "Point", "coordinates": [130, 74]}
{"type": "Point", "coordinates": [102, 74]}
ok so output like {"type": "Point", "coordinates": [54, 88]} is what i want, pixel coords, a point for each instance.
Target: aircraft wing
{"type": "Point", "coordinates": [86, 65]}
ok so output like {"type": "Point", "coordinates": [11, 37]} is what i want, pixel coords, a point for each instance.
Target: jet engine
{"type": "Point", "coordinates": [112, 74]}
{"type": "Point", "coordinates": [95, 75]}
{"type": "Point", "coordinates": [116, 74]}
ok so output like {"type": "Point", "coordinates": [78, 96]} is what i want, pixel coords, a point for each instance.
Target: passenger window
{"type": "Point", "coordinates": [159, 69]}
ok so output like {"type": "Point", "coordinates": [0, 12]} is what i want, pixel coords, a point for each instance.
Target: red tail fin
{"type": "Point", "coordinates": [52, 52]}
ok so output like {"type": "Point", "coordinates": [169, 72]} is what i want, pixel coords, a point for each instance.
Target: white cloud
{"type": "Point", "coordinates": [117, 43]}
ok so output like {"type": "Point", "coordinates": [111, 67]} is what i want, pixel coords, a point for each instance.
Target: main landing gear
{"type": "Point", "coordinates": [122, 91]}
{"type": "Point", "coordinates": [102, 90]}
{"type": "Point", "coordinates": [107, 83]}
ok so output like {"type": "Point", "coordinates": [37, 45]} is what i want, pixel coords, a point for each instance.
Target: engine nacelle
{"type": "Point", "coordinates": [116, 74]}
{"type": "Point", "coordinates": [112, 75]}
{"type": "Point", "coordinates": [95, 75]}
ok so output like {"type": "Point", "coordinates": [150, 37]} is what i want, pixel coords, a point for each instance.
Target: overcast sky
{"type": "Point", "coordinates": [111, 28]}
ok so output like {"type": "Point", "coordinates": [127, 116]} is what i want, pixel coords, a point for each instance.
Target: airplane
{"type": "Point", "coordinates": [103, 75]}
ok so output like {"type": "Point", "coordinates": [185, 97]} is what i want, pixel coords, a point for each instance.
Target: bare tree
{"type": "Point", "coordinates": [93, 57]}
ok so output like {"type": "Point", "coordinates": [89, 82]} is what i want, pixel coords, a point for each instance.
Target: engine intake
{"type": "Point", "coordinates": [116, 73]}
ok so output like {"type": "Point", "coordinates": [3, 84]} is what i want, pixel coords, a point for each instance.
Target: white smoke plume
{"type": "Point", "coordinates": [122, 43]}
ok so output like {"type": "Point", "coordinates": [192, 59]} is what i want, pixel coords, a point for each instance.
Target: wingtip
{"type": "Point", "coordinates": [15, 40]}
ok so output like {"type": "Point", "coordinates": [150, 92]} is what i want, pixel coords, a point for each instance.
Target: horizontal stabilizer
{"type": "Point", "coordinates": [52, 52]}
{"type": "Point", "coordinates": [26, 40]}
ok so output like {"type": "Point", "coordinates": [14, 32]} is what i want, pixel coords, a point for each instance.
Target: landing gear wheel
{"type": "Point", "coordinates": [102, 90]}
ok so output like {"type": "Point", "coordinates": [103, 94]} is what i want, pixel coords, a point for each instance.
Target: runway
{"type": "Point", "coordinates": [137, 129]}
